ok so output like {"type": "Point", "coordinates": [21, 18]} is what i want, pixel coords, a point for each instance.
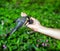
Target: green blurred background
{"type": "Point", "coordinates": [46, 11]}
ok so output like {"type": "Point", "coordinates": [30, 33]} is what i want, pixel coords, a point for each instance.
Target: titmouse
{"type": "Point", "coordinates": [20, 22]}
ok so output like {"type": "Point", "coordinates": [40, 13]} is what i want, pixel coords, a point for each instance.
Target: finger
{"type": "Point", "coordinates": [35, 21]}
{"type": "Point", "coordinates": [29, 25]}
{"type": "Point", "coordinates": [33, 18]}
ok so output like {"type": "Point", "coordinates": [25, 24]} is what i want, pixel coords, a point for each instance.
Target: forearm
{"type": "Point", "coordinates": [50, 32]}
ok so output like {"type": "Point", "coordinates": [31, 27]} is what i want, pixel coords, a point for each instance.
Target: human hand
{"type": "Point", "coordinates": [35, 26]}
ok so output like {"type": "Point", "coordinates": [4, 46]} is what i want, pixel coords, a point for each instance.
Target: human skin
{"type": "Point", "coordinates": [36, 26]}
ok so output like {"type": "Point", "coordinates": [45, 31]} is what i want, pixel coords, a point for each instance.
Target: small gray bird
{"type": "Point", "coordinates": [20, 22]}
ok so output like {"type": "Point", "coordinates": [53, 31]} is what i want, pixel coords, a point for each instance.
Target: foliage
{"type": "Point", "coordinates": [46, 11]}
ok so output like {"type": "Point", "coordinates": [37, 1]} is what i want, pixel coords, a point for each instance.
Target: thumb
{"type": "Point", "coordinates": [29, 25]}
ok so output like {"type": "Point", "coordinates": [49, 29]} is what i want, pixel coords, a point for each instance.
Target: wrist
{"type": "Point", "coordinates": [40, 28]}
